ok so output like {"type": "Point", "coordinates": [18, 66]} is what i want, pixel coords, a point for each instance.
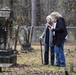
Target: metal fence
{"type": "Point", "coordinates": [38, 30]}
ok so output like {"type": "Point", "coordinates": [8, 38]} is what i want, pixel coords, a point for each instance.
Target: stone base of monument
{"type": "Point", "coordinates": [7, 58]}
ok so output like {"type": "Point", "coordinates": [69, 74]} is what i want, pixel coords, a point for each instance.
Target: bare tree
{"type": "Point", "coordinates": [33, 13]}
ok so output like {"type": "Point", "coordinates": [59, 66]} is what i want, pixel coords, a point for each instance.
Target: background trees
{"type": "Point", "coordinates": [34, 12]}
{"type": "Point", "coordinates": [42, 9]}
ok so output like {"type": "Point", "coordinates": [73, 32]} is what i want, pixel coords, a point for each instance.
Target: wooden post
{"type": "Point", "coordinates": [66, 72]}
{"type": "Point", "coordinates": [15, 39]}
{"type": "Point", "coordinates": [71, 67]}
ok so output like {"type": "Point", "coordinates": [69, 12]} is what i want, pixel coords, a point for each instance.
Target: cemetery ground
{"type": "Point", "coordinates": [29, 63]}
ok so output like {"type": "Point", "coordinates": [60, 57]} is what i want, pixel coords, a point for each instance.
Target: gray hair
{"type": "Point", "coordinates": [49, 18]}
{"type": "Point", "coordinates": [55, 15]}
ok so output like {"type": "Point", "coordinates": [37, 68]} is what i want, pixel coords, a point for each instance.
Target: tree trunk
{"type": "Point", "coordinates": [38, 13]}
{"type": "Point", "coordinates": [11, 7]}
{"type": "Point", "coordinates": [33, 16]}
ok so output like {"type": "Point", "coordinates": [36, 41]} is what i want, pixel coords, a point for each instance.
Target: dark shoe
{"type": "Point", "coordinates": [52, 65]}
{"type": "Point", "coordinates": [57, 65]}
{"type": "Point", "coordinates": [45, 64]}
{"type": "Point", "coordinates": [62, 65]}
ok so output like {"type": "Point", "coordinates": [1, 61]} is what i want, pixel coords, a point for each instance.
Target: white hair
{"type": "Point", "coordinates": [49, 18]}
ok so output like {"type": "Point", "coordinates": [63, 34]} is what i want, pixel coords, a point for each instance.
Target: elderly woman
{"type": "Point", "coordinates": [60, 34]}
{"type": "Point", "coordinates": [48, 42]}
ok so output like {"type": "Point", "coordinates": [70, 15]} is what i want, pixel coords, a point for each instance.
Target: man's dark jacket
{"type": "Point", "coordinates": [60, 31]}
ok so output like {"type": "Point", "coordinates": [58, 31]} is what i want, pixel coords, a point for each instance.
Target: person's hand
{"type": "Point", "coordinates": [51, 28]}
{"type": "Point", "coordinates": [40, 37]}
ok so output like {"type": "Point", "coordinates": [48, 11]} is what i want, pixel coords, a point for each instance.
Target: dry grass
{"type": "Point", "coordinates": [31, 61]}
